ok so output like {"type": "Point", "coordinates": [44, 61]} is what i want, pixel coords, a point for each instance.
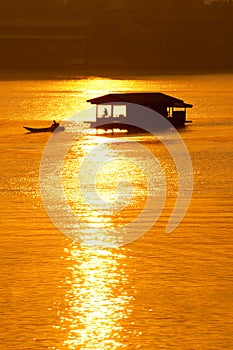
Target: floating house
{"type": "Point", "coordinates": [125, 111]}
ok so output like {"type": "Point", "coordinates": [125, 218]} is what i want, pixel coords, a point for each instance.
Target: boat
{"type": "Point", "coordinates": [117, 111]}
{"type": "Point", "coordinates": [50, 129]}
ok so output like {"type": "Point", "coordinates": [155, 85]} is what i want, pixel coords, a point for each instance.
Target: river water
{"type": "Point", "coordinates": [162, 291]}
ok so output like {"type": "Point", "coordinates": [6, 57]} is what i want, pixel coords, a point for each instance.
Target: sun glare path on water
{"type": "Point", "coordinates": [97, 301]}
{"type": "Point", "coordinates": [116, 169]}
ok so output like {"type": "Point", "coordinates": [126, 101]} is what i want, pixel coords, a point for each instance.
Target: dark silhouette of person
{"type": "Point", "coordinates": [55, 124]}
{"type": "Point", "coordinates": [105, 114]}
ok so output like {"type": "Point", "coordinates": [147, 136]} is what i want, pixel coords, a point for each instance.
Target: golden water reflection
{"type": "Point", "coordinates": [96, 300]}
{"type": "Point", "coordinates": [108, 194]}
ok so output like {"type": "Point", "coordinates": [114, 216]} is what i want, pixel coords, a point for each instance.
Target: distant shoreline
{"type": "Point", "coordinates": [94, 72]}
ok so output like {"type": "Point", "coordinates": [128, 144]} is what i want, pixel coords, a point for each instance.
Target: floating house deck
{"type": "Point", "coordinates": [115, 111]}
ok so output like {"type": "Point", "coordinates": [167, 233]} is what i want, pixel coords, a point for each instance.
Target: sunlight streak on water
{"type": "Point", "coordinates": [96, 299]}
{"type": "Point", "coordinates": [107, 188]}
{"type": "Point", "coordinates": [115, 168]}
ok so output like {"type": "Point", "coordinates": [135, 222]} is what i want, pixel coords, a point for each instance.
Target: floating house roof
{"type": "Point", "coordinates": [144, 99]}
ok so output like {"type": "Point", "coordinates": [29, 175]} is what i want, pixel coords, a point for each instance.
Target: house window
{"type": "Point", "coordinates": [119, 111]}
{"type": "Point", "coordinates": [108, 111]}
{"type": "Point", "coordinates": [104, 111]}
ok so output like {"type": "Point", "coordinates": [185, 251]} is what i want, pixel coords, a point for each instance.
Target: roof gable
{"type": "Point", "coordinates": [145, 99]}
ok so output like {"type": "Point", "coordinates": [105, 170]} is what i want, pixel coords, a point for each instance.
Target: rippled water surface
{"type": "Point", "coordinates": [163, 291]}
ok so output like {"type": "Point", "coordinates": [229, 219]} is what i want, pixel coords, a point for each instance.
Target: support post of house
{"type": "Point", "coordinates": [96, 111]}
